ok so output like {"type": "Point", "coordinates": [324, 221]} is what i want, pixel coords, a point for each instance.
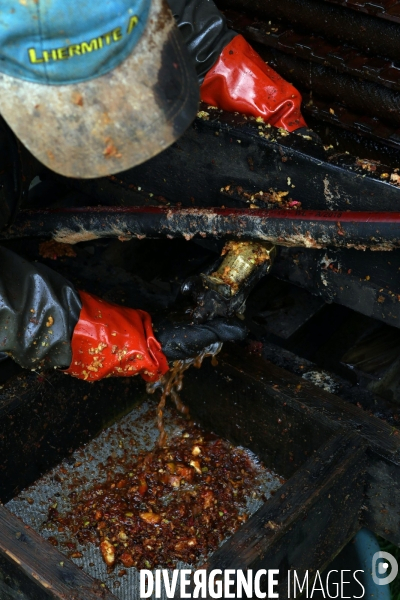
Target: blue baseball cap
{"type": "Point", "coordinates": [94, 88]}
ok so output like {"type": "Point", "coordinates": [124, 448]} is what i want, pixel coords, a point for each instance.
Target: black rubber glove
{"type": "Point", "coordinates": [184, 340]}
{"type": "Point", "coordinates": [204, 31]}
{"type": "Point", "coordinates": [38, 312]}
{"type": "Point", "coordinates": [209, 304]}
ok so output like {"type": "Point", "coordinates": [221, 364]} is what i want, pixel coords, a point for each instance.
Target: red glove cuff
{"type": "Point", "coordinates": [114, 341]}
{"type": "Point", "coordinates": [241, 81]}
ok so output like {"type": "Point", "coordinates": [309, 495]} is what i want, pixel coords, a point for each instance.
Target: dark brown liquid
{"type": "Point", "coordinates": [171, 384]}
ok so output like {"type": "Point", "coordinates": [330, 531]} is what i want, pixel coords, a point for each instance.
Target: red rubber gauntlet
{"type": "Point", "coordinates": [241, 81]}
{"type": "Point", "coordinates": [114, 341]}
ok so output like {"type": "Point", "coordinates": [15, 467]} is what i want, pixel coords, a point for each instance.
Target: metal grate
{"type": "Point", "coordinates": [83, 468]}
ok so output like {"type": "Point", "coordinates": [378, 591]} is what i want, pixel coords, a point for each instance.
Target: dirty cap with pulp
{"type": "Point", "coordinates": [94, 87]}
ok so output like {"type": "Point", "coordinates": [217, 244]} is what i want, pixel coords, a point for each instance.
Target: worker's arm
{"type": "Point", "coordinates": [232, 75]}
{"type": "Point", "coordinates": [204, 31]}
{"type": "Point", "coordinates": [38, 312]}
{"type": "Point", "coordinates": [45, 322]}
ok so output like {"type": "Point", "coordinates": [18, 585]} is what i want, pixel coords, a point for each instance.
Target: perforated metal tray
{"type": "Point", "coordinates": [84, 468]}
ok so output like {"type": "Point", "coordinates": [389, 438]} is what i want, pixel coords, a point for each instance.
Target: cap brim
{"type": "Point", "coordinates": [116, 121]}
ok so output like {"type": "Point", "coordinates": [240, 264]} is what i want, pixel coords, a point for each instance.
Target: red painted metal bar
{"type": "Point", "coordinates": [296, 215]}
{"type": "Point", "coordinates": [307, 228]}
